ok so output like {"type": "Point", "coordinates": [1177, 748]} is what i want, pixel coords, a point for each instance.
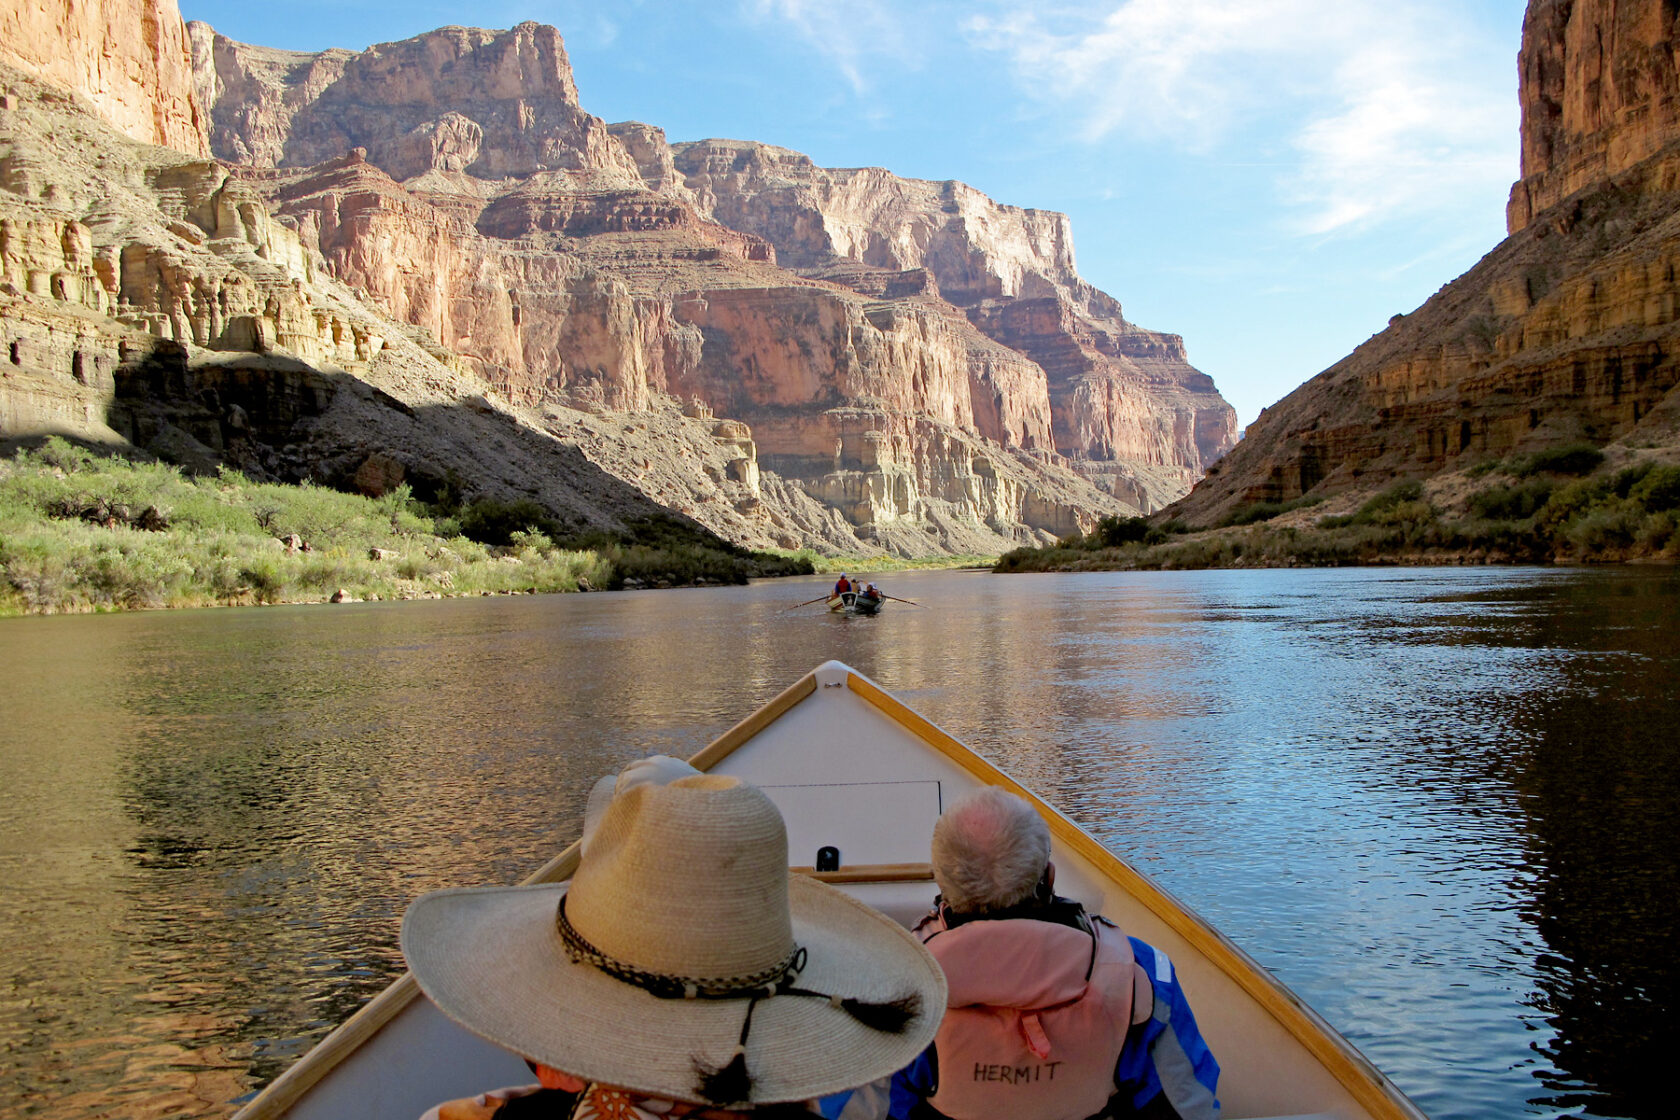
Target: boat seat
{"type": "Point", "coordinates": [902, 891]}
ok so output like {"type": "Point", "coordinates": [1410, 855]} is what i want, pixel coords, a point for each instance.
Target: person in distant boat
{"type": "Point", "coordinates": [843, 584]}
{"type": "Point", "coordinates": [1054, 1014]}
{"type": "Point", "coordinates": [683, 972]}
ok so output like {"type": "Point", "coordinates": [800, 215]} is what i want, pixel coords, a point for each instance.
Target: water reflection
{"type": "Point", "coordinates": [1439, 804]}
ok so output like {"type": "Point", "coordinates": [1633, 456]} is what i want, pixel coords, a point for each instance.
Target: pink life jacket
{"type": "Point", "coordinates": [1037, 1015]}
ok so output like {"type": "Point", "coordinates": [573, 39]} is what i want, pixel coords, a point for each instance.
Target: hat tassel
{"type": "Point", "coordinates": [891, 1016]}
{"type": "Point", "coordinates": [729, 1083]}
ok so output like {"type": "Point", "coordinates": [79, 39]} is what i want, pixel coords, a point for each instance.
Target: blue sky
{"type": "Point", "coordinates": [1271, 179]}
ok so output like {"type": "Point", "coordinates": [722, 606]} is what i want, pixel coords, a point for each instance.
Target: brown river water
{"type": "Point", "coordinates": [1440, 804]}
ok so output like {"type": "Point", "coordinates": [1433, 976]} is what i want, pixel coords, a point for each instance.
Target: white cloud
{"type": "Point", "coordinates": [852, 35]}
{"type": "Point", "coordinates": [1373, 109]}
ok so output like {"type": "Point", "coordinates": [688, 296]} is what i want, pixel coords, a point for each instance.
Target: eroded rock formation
{"type": "Point", "coordinates": [1600, 93]}
{"type": "Point", "coordinates": [129, 59]}
{"type": "Point", "coordinates": [1568, 330]}
{"type": "Point", "coordinates": [791, 355]}
{"type": "Point", "coordinates": [602, 274]}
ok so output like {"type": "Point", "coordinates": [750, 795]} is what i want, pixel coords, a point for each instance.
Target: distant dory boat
{"type": "Point", "coordinates": [855, 602]}
{"type": "Point", "coordinates": [860, 780]}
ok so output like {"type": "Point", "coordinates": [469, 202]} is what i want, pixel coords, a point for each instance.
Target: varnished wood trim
{"type": "Point", "coordinates": [872, 873]}
{"type": "Point", "coordinates": [724, 745]}
{"type": "Point", "coordinates": [284, 1091]}
{"type": "Point", "coordinates": [1363, 1081]}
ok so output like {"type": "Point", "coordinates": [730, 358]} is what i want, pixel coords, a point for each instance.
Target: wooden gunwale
{"type": "Point", "coordinates": [871, 873]}
{"type": "Point", "coordinates": [1356, 1074]}
{"type": "Point", "coordinates": [1363, 1081]}
{"type": "Point", "coordinates": [285, 1090]}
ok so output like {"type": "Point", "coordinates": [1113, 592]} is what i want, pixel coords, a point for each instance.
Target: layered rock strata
{"type": "Point", "coordinates": [659, 240]}
{"type": "Point", "coordinates": [850, 361]}
{"type": "Point", "coordinates": [130, 60]}
{"type": "Point", "coordinates": [1600, 92]}
{"type": "Point", "coordinates": [1127, 407]}
{"type": "Point", "coordinates": [1568, 330]}
{"type": "Point", "coordinates": [151, 301]}
{"type": "Point", "coordinates": [155, 300]}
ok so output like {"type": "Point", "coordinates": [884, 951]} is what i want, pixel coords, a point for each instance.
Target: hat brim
{"type": "Point", "coordinates": [491, 959]}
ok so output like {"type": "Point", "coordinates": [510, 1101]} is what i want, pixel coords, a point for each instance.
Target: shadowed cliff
{"type": "Point", "coordinates": [1567, 332]}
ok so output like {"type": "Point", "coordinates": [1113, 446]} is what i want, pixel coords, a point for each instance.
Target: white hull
{"type": "Point", "coordinates": [854, 769]}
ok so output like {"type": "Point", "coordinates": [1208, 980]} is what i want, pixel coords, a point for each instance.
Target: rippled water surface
{"type": "Point", "coordinates": [1441, 805]}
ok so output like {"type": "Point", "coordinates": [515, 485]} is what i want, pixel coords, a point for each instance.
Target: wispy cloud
{"type": "Point", "coordinates": [853, 36]}
{"type": "Point", "coordinates": [1372, 108]}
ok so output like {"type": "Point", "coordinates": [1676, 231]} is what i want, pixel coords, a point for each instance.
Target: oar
{"type": "Point", "coordinates": [896, 599]}
{"type": "Point", "coordinates": [808, 602]}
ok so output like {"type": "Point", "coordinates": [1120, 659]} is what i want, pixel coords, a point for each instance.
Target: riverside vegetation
{"type": "Point", "coordinates": [84, 532]}
{"type": "Point", "coordinates": [1564, 505]}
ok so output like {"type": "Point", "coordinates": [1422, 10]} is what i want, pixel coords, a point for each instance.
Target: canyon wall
{"type": "Point", "coordinates": [129, 58]}
{"type": "Point", "coordinates": [1126, 402]}
{"type": "Point", "coordinates": [1600, 92]}
{"type": "Point", "coordinates": [614, 266]}
{"type": "Point", "coordinates": [1568, 330]}
{"type": "Point", "coordinates": [788, 354]}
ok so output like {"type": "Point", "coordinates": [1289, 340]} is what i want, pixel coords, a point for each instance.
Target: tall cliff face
{"type": "Point", "coordinates": [130, 58]}
{"type": "Point", "coordinates": [861, 361]}
{"type": "Point", "coordinates": [612, 267]}
{"type": "Point", "coordinates": [1568, 330]}
{"type": "Point", "coordinates": [1125, 401]}
{"type": "Point", "coordinates": [1600, 93]}
{"type": "Point", "coordinates": [489, 104]}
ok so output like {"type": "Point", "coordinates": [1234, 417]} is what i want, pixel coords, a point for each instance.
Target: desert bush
{"type": "Point", "coordinates": [1511, 503]}
{"type": "Point", "coordinates": [1603, 531]}
{"type": "Point", "coordinates": [1113, 531]}
{"type": "Point", "coordinates": [1658, 489]}
{"type": "Point", "coordinates": [1265, 511]}
{"type": "Point", "coordinates": [493, 521]}
{"type": "Point", "coordinates": [1571, 459]}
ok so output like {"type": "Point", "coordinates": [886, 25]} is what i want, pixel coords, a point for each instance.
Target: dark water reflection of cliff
{"type": "Point", "coordinates": [1439, 804]}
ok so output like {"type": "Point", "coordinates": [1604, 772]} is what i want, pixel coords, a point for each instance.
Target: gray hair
{"type": "Point", "coordinates": [989, 851]}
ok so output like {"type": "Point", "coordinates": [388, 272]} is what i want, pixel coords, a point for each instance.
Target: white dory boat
{"type": "Point", "coordinates": [855, 770]}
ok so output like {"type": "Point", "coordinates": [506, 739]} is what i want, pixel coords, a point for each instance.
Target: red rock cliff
{"type": "Point", "coordinates": [891, 342]}
{"type": "Point", "coordinates": [1568, 330]}
{"type": "Point", "coordinates": [130, 58]}
{"type": "Point", "coordinates": [1600, 92]}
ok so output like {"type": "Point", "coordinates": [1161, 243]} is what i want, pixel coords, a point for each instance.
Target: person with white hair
{"type": "Point", "coordinates": [1054, 1014]}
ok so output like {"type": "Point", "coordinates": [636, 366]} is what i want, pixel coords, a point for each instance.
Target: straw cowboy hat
{"type": "Point", "coordinates": [683, 961]}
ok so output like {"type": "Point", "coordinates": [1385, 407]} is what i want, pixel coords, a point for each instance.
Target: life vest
{"type": "Point", "coordinates": [1037, 1015]}
{"type": "Point", "coordinates": [841, 586]}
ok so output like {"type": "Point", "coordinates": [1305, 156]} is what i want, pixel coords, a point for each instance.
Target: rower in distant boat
{"type": "Point", "coordinates": [843, 585]}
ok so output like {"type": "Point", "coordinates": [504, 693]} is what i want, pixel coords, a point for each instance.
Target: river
{"type": "Point", "coordinates": [1440, 804]}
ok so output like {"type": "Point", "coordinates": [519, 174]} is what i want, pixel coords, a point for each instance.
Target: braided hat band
{"type": "Point", "coordinates": [764, 982]}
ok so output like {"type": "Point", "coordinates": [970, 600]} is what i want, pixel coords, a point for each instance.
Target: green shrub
{"type": "Point", "coordinates": [493, 521]}
{"type": "Point", "coordinates": [1605, 530]}
{"type": "Point", "coordinates": [1114, 531]}
{"type": "Point", "coordinates": [1572, 459]}
{"type": "Point", "coordinates": [1511, 503]}
{"type": "Point", "coordinates": [1486, 466]}
{"type": "Point", "coordinates": [1572, 501]}
{"type": "Point", "coordinates": [1265, 511]}
{"type": "Point", "coordinates": [1659, 489]}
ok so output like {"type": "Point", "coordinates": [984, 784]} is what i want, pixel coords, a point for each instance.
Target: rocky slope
{"type": "Point", "coordinates": [440, 222]}
{"type": "Point", "coordinates": [677, 224]}
{"type": "Point", "coordinates": [1568, 330]}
